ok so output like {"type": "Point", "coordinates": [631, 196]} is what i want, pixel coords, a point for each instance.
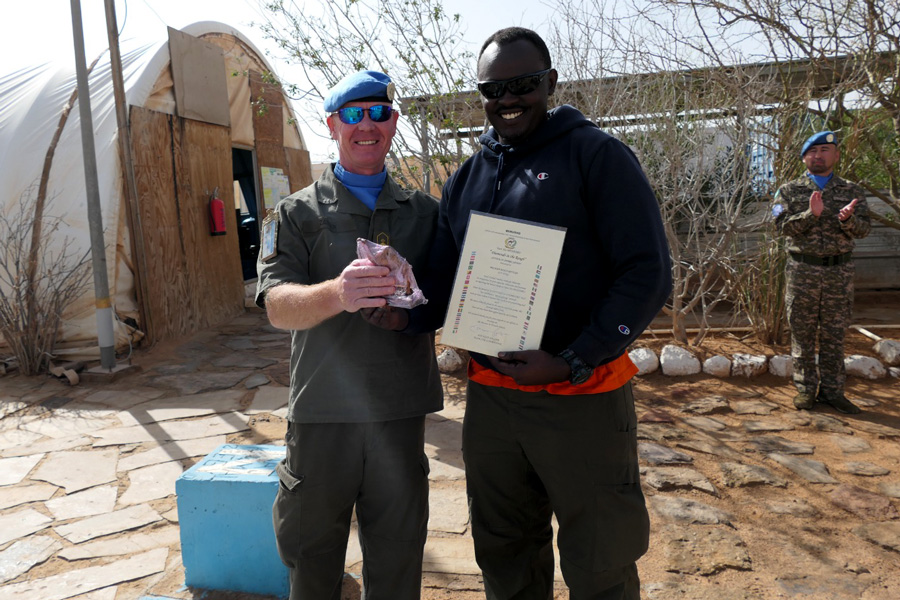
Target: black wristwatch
{"type": "Point", "coordinates": [581, 371]}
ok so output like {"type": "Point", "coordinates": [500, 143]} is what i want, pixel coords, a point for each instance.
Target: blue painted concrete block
{"type": "Point", "coordinates": [225, 517]}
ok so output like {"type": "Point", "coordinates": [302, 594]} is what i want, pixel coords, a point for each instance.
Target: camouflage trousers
{"type": "Point", "coordinates": [819, 306]}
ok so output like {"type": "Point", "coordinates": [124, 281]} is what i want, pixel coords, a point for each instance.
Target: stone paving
{"type": "Point", "coordinates": [736, 482]}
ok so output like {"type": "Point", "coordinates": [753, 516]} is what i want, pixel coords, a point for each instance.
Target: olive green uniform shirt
{"type": "Point", "coordinates": [345, 370]}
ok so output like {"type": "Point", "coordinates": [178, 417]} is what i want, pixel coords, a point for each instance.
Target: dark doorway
{"type": "Point", "coordinates": [246, 209]}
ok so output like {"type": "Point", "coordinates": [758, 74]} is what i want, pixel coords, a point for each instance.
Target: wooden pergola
{"type": "Point", "coordinates": [449, 116]}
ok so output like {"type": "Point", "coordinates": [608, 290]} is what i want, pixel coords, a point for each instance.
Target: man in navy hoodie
{"type": "Point", "coordinates": [554, 430]}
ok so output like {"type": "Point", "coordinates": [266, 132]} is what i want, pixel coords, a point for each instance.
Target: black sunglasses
{"type": "Point", "coordinates": [351, 115]}
{"type": "Point", "coordinates": [518, 86]}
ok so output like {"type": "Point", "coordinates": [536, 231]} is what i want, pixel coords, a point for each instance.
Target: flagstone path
{"type": "Point", "coordinates": [748, 497]}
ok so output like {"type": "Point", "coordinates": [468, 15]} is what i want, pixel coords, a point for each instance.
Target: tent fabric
{"type": "Point", "coordinates": [32, 102]}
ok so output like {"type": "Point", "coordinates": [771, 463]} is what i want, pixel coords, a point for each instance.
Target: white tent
{"type": "Point", "coordinates": [33, 102]}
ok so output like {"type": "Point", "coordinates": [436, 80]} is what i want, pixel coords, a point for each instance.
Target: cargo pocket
{"type": "Point", "coordinates": [286, 515]}
{"type": "Point", "coordinates": [612, 449]}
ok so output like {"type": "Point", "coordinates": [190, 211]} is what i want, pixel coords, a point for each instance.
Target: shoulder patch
{"type": "Point", "coordinates": [269, 241]}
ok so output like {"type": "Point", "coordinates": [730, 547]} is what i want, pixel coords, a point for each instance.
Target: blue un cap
{"type": "Point", "coordinates": [817, 139]}
{"type": "Point", "coordinates": [361, 86]}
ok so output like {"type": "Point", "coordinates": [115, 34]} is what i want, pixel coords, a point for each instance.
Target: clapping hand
{"type": "Point", "coordinates": [847, 212]}
{"type": "Point", "coordinates": [815, 203]}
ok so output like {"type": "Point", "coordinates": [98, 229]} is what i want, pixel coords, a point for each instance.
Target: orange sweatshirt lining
{"type": "Point", "coordinates": [605, 378]}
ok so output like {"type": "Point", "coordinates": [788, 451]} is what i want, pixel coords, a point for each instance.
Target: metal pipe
{"type": "Point", "coordinates": [103, 304]}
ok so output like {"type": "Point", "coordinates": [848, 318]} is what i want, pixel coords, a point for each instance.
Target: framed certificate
{"type": "Point", "coordinates": [503, 284]}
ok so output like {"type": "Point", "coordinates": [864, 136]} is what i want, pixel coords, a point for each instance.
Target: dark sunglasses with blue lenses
{"type": "Point", "coordinates": [351, 115]}
{"type": "Point", "coordinates": [518, 86]}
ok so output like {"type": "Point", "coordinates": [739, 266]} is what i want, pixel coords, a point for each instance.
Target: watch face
{"type": "Point", "coordinates": [581, 375]}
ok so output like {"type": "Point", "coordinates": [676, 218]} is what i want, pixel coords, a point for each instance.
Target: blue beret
{"type": "Point", "coordinates": [816, 139]}
{"type": "Point", "coordinates": [368, 85]}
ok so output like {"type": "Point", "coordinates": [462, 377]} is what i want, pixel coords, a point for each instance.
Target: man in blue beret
{"type": "Point", "coordinates": [359, 393]}
{"type": "Point", "coordinates": [820, 216]}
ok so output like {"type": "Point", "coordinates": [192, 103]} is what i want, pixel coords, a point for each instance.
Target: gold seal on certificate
{"type": "Point", "coordinates": [503, 284]}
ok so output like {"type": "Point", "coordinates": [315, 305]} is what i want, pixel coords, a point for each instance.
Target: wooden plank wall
{"type": "Point", "coordinates": [194, 278]}
{"type": "Point", "coordinates": [299, 168]}
{"type": "Point", "coordinates": [268, 127]}
{"type": "Point", "coordinates": [877, 256]}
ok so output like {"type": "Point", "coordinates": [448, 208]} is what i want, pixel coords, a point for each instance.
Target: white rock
{"type": "Point", "coordinates": [678, 361]}
{"type": "Point", "coordinates": [78, 470]}
{"type": "Point", "coordinates": [267, 399]}
{"type": "Point", "coordinates": [645, 360]}
{"type": "Point", "coordinates": [94, 501]}
{"type": "Point", "coordinates": [24, 554]}
{"type": "Point", "coordinates": [895, 372]}
{"type": "Point", "coordinates": [781, 366]}
{"type": "Point", "coordinates": [889, 351]}
{"type": "Point", "coordinates": [449, 361]}
{"type": "Point", "coordinates": [864, 366]}
{"type": "Point", "coordinates": [126, 519]}
{"type": "Point", "coordinates": [717, 366]}
{"type": "Point", "coordinates": [21, 524]}
{"type": "Point", "coordinates": [748, 365]}
{"type": "Point", "coordinates": [14, 470]}
{"type": "Point", "coordinates": [75, 582]}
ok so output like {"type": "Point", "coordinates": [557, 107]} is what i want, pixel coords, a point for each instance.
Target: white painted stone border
{"type": "Point", "coordinates": [778, 365]}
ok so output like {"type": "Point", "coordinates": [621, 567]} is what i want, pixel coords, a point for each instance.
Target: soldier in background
{"type": "Point", "coordinates": [821, 215]}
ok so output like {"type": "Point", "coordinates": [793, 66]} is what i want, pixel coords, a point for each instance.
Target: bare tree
{"type": "Point", "coordinates": [416, 42]}
{"type": "Point", "coordinates": [36, 283]}
{"type": "Point", "coordinates": [850, 50]}
{"type": "Point", "coordinates": [691, 127]}
{"type": "Point", "coordinates": [715, 97]}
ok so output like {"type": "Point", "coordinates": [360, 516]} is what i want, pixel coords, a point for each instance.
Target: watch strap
{"type": "Point", "coordinates": [580, 370]}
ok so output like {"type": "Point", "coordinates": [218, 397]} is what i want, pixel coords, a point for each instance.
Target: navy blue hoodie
{"type": "Point", "coordinates": [614, 274]}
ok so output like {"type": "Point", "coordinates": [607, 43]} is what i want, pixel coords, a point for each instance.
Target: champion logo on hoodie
{"type": "Point", "coordinates": [543, 176]}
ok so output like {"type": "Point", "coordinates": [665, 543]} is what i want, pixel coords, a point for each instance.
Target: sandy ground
{"type": "Point", "coordinates": [792, 556]}
{"type": "Point", "coordinates": [814, 555]}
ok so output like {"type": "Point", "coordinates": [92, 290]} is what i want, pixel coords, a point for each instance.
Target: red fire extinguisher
{"type": "Point", "coordinates": [216, 214]}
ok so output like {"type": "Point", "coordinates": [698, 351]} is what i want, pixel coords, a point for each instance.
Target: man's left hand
{"type": "Point", "coordinates": [847, 212]}
{"type": "Point", "coordinates": [386, 317]}
{"type": "Point", "coordinates": [531, 367]}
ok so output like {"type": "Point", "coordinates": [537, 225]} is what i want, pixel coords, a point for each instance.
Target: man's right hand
{"type": "Point", "coordinates": [815, 203]}
{"type": "Point", "coordinates": [363, 285]}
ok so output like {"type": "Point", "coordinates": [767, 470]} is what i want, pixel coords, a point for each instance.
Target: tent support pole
{"type": "Point", "coordinates": [95, 216]}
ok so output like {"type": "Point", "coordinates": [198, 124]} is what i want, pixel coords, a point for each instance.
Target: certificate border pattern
{"type": "Point", "coordinates": [465, 291]}
{"type": "Point", "coordinates": [534, 288]}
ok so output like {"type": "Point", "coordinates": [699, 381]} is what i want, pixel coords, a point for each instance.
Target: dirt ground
{"type": "Point", "coordinates": [799, 550]}
{"type": "Point", "coordinates": [783, 547]}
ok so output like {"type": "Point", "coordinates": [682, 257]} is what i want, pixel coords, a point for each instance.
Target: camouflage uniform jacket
{"type": "Point", "coordinates": [826, 235]}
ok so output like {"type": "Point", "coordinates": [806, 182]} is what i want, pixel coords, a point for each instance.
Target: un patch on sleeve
{"type": "Point", "coordinates": [269, 241]}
